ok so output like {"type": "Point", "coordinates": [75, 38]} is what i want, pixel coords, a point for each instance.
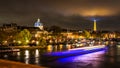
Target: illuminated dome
{"type": "Point", "coordinates": [38, 24]}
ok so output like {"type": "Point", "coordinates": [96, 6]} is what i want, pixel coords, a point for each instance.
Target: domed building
{"type": "Point", "coordinates": [38, 24]}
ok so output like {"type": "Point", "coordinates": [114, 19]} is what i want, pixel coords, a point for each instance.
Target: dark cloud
{"type": "Point", "coordinates": [65, 13]}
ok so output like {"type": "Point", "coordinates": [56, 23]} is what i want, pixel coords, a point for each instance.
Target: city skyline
{"type": "Point", "coordinates": [64, 13]}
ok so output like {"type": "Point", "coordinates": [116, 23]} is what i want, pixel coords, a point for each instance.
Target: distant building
{"type": "Point", "coordinates": [38, 24]}
{"type": "Point", "coordinates": [9, 27]}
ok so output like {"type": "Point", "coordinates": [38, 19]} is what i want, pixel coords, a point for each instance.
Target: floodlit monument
{"type": "Point", "coordinates": [95, 26]}
{"type": "Point", "coordinates": [38, 24]}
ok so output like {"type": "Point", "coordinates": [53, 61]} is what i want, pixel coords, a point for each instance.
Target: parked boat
{"type": "Point", "coordinates": [7, 49]}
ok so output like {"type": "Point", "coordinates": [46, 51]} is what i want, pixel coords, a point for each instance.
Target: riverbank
{"type": "Point", "coordinates": [27, 47]}
{"type": "Point", "coordinates": [12, 64]}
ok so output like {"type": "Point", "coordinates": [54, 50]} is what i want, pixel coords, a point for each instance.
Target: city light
{"type": "Point", "coordinates": [19, 42]}
{"type": "Point", "coordinates": [97, 12]}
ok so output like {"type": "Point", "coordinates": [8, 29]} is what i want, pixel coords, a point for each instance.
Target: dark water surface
{"type": "Point", "coordinates": [100, 59]}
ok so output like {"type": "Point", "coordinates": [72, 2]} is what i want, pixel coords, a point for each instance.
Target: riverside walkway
{"type": "Point", "coordinates": [12, 64]}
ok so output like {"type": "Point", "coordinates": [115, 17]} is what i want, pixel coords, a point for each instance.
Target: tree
{"type": "Point", "coordinates": [87, 34]}
{"type": "Point", "coordinates": [23, 37]}
{"type": "Point", "coordinates": [3, 36]}
{"type": "Point", "coordinates": [42, 42]}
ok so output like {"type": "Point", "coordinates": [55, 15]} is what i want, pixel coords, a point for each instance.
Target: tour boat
{"type": "Point", "coordinates": [72, 52]}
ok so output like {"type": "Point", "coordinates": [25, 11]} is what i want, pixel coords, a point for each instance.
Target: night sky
{"type": "Point", "coordinates": [70, 14]}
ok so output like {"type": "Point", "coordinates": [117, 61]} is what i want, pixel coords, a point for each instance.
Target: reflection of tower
{"type": "Point", "coordinates": [38, 24]}
{"type": "Point", "coordinates": [95, 26]}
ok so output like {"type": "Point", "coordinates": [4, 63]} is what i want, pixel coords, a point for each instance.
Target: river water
{"type": "Point", "coordinates": [109, 58]}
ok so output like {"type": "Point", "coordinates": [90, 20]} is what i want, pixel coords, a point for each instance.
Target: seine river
{"type": "Point", "coordinates": [109, 58]}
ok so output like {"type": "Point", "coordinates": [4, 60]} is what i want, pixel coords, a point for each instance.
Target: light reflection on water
{"type": "Point", "coordinates": [90, 56]}
{"type": "Point", "coordinates": [32, 56]}
{"type": "Point", "coordinates": [37, 61]}
{"type": "Point", "coordinates": [26, 56]}
{"type": "Point", "coordinates": [18, 53]}
{"type": "Point", "coordinates": [37, 56]}
{"type": "Point", "coordinates": [36, 53]}
{"type": "Point", "coordinates": [49, 48]}
{"type": "Point", "coordinates": [92, 59]}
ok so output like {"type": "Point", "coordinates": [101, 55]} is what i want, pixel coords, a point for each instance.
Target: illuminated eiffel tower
{"type": "Point", "coordinates": [95, 26]}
